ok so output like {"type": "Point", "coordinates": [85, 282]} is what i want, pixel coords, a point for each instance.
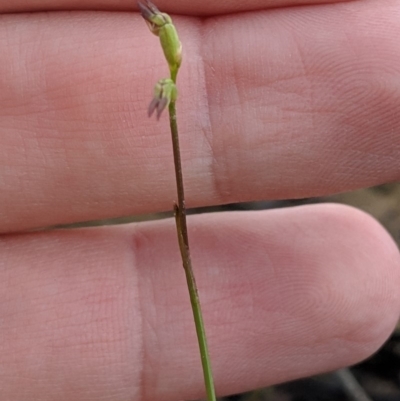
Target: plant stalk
{"type": "Point", "coordinates": [181, 226]}
{"type": "Point", "coordinates": [165, 93]}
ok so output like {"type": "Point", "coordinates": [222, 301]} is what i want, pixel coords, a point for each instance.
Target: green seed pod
{"type": "Point", "coordinates": [161, 25]}
{"type": "Point", "coordinates": [171, 46]}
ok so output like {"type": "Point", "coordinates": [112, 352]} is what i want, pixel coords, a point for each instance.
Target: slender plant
{"type": "Point", "coordinates": [165, 95]}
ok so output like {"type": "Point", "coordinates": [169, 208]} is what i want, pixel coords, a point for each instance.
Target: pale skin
{"type": "Point", "coordinates": [290, 102]}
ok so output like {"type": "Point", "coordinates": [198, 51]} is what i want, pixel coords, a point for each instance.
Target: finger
{"type": "Point", "coordinates": [193, 7]}
{"type": "Point", "coordinates": [104, 313]}
{"type": "Point", "coordinates": [300, 114]}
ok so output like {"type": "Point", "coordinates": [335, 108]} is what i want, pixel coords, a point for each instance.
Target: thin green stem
{"type": "Point", "coordinates": [165, 93]}
{"type": "Point", "coordinates": [181, 226]}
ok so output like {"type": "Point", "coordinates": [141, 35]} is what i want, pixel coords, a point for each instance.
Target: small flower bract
{"type": "Point", "coordinates": [165, 92]}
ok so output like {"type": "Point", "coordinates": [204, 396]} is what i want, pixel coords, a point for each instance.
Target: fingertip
{"type": "Point", "coordinates": [365, 278]}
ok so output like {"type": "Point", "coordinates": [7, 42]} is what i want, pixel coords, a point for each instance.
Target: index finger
{"type": "Point", "coordinates": [310, 111]}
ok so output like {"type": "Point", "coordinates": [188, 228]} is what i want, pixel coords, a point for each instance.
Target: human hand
{"type": "Point", "coordinates": [291, 102]}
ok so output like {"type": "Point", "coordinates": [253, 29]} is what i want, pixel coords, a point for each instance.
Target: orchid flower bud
{"type": "Point", "coordinates": [161, 25]}
{"type": "Point", "coordinates": [165, 92]}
